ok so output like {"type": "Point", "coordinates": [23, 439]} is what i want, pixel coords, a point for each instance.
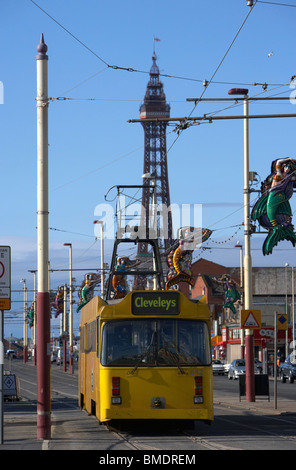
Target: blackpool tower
{"type": "Point", "coordinates": [155, 161]}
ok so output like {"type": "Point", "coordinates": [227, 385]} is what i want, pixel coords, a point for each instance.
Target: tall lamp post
{"type": "Point", "coordinates": [43, 298]}
{"type": "Point", "coordinates": [102, 255]}
{"type": "Point", "coordinates": [71, 310]}
{"type": "Point", "coordinates": [238, 245]}
{"type": "Point", "coordinates": [249, 338]}
{"type": "Point", "coordinates": [34, 271]}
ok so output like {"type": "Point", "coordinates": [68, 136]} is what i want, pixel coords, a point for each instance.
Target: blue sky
{"type": "Point", "coordinates": [92, 147]}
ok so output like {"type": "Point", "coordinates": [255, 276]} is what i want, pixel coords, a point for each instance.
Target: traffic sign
{"type": "Point", "coordinates": [250, 319]}
{"type": "Point", "coordinates": [5, 277]}
{"type": "Point", "coordinates": [282, 322]}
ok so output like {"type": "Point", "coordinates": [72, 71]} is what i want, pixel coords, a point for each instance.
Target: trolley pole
{"type": "Point", "coordinates": [43, 300]}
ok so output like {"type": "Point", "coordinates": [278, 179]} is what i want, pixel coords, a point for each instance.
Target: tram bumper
{"type": "Point", "coordinates": [158, 414]}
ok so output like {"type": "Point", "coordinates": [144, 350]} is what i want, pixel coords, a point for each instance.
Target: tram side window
{"type": "Point", "coordinates": [82, 339]}
{"type": "Point", "coordinates": [98, 337]}
{"type": "Point", "coordinates": [91, 337]}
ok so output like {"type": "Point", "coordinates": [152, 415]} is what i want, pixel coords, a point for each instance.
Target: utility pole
{"type": "Point", "coordinates": [34, 325]}
{"type": "Point", "coordinates": [25, 340]}
{"type": "Point", "coordinates": [71, 310]}
{"type": "Point", "coordinates": [65, 330]}
{"type": "Point", "coordinates": [43, 299]}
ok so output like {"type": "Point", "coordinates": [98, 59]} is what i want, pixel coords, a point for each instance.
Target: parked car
{"type": "Point", "coordinates": [226, 368]}
{"type": "Point", "coordinates": [60, 356]}
{"type": "Point", "coordinates": [259, 365]}
{"type": "Point", "coordinates": [53, 356]}
{"type": "Point", "coordinates": [238, 367]}
{"type": "Point", "coordinates": [10, 353]}
{"type": "Point", "coordinates": [218, 367]}
{"type": "Point", "coordinates": [288, 369]}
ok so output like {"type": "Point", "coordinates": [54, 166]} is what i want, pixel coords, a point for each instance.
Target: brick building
{"type": "Point", "coordinates": [272, 291]}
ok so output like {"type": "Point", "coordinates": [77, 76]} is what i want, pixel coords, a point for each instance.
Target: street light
{"type": "Point", "coordinates": [249, 339]}
{"type": "Point", "coordinates": [71, 310]}
{"type": "Point", "coordinates": [102, 255]}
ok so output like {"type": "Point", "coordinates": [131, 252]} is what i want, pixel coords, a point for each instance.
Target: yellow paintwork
{"type": "Point", "coordinates": [138, 388]}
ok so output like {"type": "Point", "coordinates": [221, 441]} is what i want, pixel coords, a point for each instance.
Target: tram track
{"type": "Point", "coordinates": [209, 445]}
{"type": "Point", "coordinates": [233, 428]}
{"type": "Point", "coordinates": [201, 442]}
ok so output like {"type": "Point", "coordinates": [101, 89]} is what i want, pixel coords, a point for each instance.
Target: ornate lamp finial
{"type": "Point", "coordinates": [42, 49]}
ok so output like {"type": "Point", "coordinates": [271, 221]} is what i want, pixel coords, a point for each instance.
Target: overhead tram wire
{"type": "Point", "coordinates": [183, 125]}
{"type": "Point", "coordinates": [224, 57]}
{"type": "Point", "coordinates": [239, 101]}
{"type": "Point", "coordinates": [140, 71]}
{"type": "Point", "coordinates": [131, 69]}
{"type": "Point", "coordinates": [277, 4]}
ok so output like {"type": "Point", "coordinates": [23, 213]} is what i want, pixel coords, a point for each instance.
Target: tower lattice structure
{"type": "Point", "coordinates": [155, 162]}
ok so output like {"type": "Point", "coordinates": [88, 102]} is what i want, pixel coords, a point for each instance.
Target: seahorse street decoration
{"type": "Point", "coordinates": [180, 257]}
{"type": "Point", "coordinates": [273, 210]}
{"type": "Point", "coordinates": [231, 289]}
{"type": "Point", "coordinates": [58, 304]}
{"type": "Point", "coordinates": [86, 291]}
{"type": "Point", "coordinates": [119, 279]}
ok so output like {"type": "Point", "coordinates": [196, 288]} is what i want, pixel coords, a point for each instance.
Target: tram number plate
{"type": "Point", "coordinates": [155, 303]}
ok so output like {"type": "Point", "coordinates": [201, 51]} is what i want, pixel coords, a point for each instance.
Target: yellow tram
{"type": "Point", "coordinates": [146, 356]}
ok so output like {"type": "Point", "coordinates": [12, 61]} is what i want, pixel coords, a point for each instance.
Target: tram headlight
{"type": "Point", "coordinates": [198, 400]}
{"type": "Point", "coordinates": [116, 400]}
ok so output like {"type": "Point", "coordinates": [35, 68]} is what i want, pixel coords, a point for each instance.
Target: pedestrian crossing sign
{"type": "Point", "coordinates": [250, 319]}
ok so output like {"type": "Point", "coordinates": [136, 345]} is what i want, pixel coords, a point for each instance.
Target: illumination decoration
{"type": "Point", "coordinates": [231, 289]}
{"type": "Point", "coordinates": [58, 304]}
{"type": "Point", "coordinates": [273, 210]}
{"type": "Point", "coordinates": [180, 258]}
{"type": "Point", "coordinates": [119, 280]}
{"type": "Point", "coordinates": [86, 291]}
{"type": "Point", "coordinates": [30, 315]}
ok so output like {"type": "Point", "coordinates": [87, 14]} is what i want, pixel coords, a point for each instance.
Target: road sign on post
{"type": "Point", "coordinates": [5, 277]}
{"type": "Point", "coordinates": [250, 319]}
{"type": "Point", "coordinates": [5, 291]}
{"type": "Point", "coordinates": [282, 322]}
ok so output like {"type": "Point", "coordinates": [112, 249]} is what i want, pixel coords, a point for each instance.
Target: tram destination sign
{"type": "Point", "coordinates": [155, 303]}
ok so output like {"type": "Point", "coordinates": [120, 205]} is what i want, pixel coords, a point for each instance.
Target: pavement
{"type": "Point", "coordinates": [73, 429]}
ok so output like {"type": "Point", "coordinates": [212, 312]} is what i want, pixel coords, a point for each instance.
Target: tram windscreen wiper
{"type": "Point", "coordinates": [146, 353]}
{"type": "Point", "coordinates": [170, 355]}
